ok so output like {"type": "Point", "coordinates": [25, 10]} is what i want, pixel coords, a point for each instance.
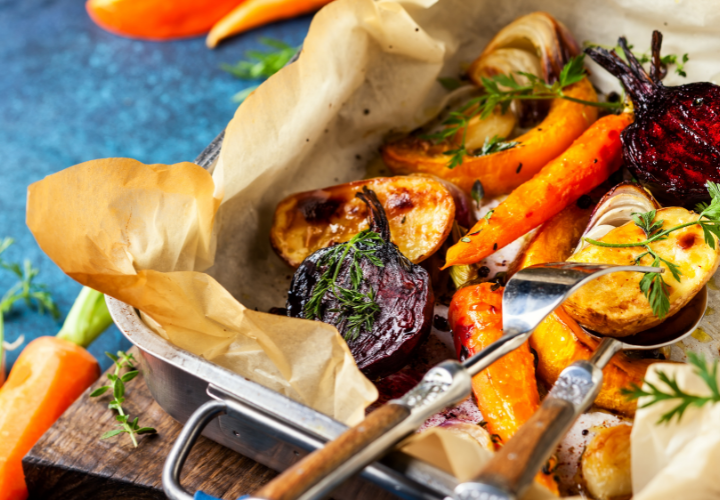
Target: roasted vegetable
{"type": "Point", "coordinates": [585, 165]}
{"type": "Point", "coordinates": [615, 304]}
{"type": "Point", "coordinates": [503, 171]}
{"type": "Point", "coordinates": [606, 463]}
{"type": "Point", "coordinates": [559, 340]}
{"type": "Point", "coordinates": [379, 301]}
{"type": "Point", "coordinates": [536, 45]}
{"type": "Point", "coordinates": [672, 146]}
{"type": "Point", "coordinates": [506, 392]}
{"type": "Point", "coordinates": [420, 211]}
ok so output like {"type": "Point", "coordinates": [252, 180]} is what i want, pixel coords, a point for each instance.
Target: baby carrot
{"type": "Point", "coordinates": [253, 13]}
{"type": "Point", "coordinates": [588, 162]}
{"type": "Point", "coordinates": [49, 374]}
{"type": "Point", "coordinates": [506, 391]}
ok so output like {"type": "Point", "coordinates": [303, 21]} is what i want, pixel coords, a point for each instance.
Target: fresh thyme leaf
{"type": "Point", "coordinates": [489, 215]}
{"type": "Point", "coordinates": [260, 65]}
{"type": "Point", "coordinates": [450, 84]}
{"type": "Point", "coordinates": [477, 192]}
{"type": "Point", "coordinates": [494, 145]}
{"type": "Point", "coordinates": [673, 392]}
{"type": "Point", "coordinates": [122, 361]}
{"type": "Point", "coordinates": [357, 310]}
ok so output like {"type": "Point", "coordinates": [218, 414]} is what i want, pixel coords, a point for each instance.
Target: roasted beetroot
{"type": "Point", "coordinates": [380, 302]}
{"type": "Point", "coordinates": [673, 147]}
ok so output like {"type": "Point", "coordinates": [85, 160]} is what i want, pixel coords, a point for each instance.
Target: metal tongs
{"type": "Point", "coordinates": [530, 296]}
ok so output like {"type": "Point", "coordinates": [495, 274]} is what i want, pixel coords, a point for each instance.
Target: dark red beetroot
{"type": "Point", "coordinates": [381, 337]}
{"type": "Point", "coordinates": [673, 147]}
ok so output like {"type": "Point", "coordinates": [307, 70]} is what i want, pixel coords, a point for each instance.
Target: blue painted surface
{"type": "Point", "coordinates": [71, 92]}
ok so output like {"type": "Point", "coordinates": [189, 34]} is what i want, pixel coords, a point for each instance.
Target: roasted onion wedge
{"type": "Point", "coordinates": [420, 211]}
{"type": "Point", "coordinates": [614, 304]}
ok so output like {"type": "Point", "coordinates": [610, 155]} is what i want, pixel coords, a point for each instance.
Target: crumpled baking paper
{"type": "Point", "coordinates": [367, 69]}
{"type": "Point", "coordinates": [677, 459]}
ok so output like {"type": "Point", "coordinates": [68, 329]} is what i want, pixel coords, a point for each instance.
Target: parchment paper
{"type": "Point", "coordinates": [679, 459]}
{"type": "Point", "coordinates": [368, 69]}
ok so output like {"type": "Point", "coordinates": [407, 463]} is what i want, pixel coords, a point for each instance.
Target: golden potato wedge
{"type": "Point", "coordinates": [420, 211]}
{"type": "Point", "coordinates": [613, 304]}
{"type": "Point", "coordinates": [606, 464]}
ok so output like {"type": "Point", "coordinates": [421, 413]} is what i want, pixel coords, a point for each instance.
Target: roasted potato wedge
{"type": "Point", "coordinates": [606, 464]}
{"type": "Point", "coordinates": [420, 211]}
{"type": "Point", "coordinates": [613, 304]}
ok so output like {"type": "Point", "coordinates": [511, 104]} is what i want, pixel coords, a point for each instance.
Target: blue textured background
{"type": "Point", "coordinates": [71, 92]}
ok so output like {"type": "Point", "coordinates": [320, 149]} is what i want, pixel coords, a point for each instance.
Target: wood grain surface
{"type": "Point", "coordinates": [70, 462]}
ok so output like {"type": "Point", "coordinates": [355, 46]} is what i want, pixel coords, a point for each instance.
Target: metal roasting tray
{"type": "Point", "coordinates": [253, 420]}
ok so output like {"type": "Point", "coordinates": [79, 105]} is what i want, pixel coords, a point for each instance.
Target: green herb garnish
{"type": "Point", "coordinates": [122, 361]}
{"type": "Point", "coordinates": [26, 289]}
{"type": "Point", "coordinates": [477, 192]}
{"type": "Point", "coordinates": [450, 84]}
{"type": "Point", "coordinates": [673, 391]}
{"type": "Point", "coordinates": [652, 284]}
{"type": "Point", "coordinates": [261, 65]}
{"type": "Point", "coordinates": [357, 310]}
{"type": "Point", "coordinates": [496, 95]}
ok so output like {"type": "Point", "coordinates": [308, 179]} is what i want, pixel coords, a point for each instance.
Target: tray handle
{"type": "Point", "coordinates": [181, 449]}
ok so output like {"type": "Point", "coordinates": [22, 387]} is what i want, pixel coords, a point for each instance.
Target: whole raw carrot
{"type": "Point", "coordinates": [253, 13]}
{"type": "Point", "coordinates": [47, 377]}
{"type": "Point", "coordinates": [49, 374]}
{"type": "Point", "coordinates": [586, 164]}
{"type": "Point", "coordinates": [158, 19]}
{"type": "Point", "coordinates": [506, 391]}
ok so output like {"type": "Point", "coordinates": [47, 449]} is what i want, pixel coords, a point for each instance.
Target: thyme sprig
{"type": "Point", "coordinates": [25, 289]}
{"type": "Point", "coordinates": [501, 90]}
{"type": "Point", "coordinates": [122, 361]}
{"type": "Point", "coordinates": [673, 392]}
{"type": "Point", "coordinates": [653, 285]}
{"type": "Point", "coordinates": [357, 310]}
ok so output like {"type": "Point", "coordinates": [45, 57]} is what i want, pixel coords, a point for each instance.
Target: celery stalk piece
{"type": "Point", "coordinates": [87, 319]}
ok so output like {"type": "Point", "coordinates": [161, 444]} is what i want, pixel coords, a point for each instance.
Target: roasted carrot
{"type": "Point", "coordinates": [506, 392]}
{"type": "Point", "coordinates": [503, 171]}
{"type": "Point", "coordinates": [158, 19]}
{"type": "Point", "coordinates": [253, 13]}
{"type": "Point", "coordinates": [559, 340]}
{"type": "Point", "coordinates": [586, 164]}
{"type": "Point", "coordinates": [49, 374]}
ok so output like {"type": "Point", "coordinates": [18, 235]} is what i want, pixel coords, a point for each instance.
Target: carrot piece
{"type": "Point", "coordinates": [253, 13]}
{"type": "Point", "coordinates": [503, 171]}
{"type": "Point", "coordinates": [559, 340]}
{"type": "Point", "coordinates": [506, 392]}
{"type": "Point", "coordinates": [158, 19]}
{"type": "Point", "coordinates": [47, 377]}
{"type": "Point", "coordinates": [586, 164]}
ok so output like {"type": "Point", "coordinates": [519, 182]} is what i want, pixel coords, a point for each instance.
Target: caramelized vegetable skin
{"type": "Point", "coordinates": [585, 165]}
{"type": "Point", "coordinates": [401, 289]}
{"type": "Point", "coordinates": [559, 340]}
{"type": "Point", "coordinates": [420, 211]}
{"type": "Point", "coordinates": [673, 144]}
{"type": "Point", "coordinates": [503, 171]}
{"type": "Point", "coordinates": [614, 304]}
{"type": "Point", "coordinates": [506, 391]}
{"type": "Point", "coordinates": [606, 464]}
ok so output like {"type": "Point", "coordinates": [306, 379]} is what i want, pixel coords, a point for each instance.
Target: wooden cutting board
{"type": "Point", "coordinates": [70, 462]}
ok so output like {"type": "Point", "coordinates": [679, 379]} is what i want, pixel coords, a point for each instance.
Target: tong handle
{"type": "Point", "coordinates": [508, 474]}
{"type": "Point", "coordinates": [516, 464]}
{"type": "Point", "coordinates": [305, 474]}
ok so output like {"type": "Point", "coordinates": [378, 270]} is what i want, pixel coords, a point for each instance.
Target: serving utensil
{"type": "Point", "coordinates": [512, 469]}
{"type": "Point", "coordinates": [529, 297]}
